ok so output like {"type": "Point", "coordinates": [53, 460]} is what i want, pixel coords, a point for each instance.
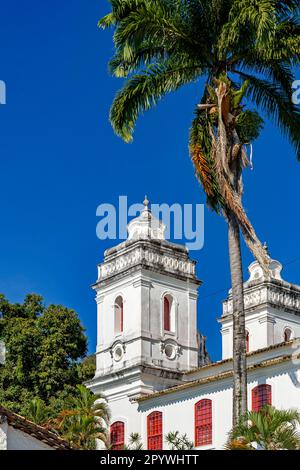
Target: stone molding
{"type": "Point", "coordinates": [278, 295]}
{"type": "Point", "coordinates": [145, 256]}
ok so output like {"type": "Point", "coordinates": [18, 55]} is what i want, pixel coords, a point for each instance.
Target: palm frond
{"type": "Point", "coordinates": [143, 90]}
{"type": "Point", "coordinates": [277, 105]}
{"type": "Point", "coordinates": [201, 155]}
{"type": "Point", "coordinates": [269, 428]}
{"type": "Point", "coordinates": [129, 60]}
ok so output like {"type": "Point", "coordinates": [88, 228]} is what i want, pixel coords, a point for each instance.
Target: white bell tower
{"type": "Point", "coordinates": [146, 296]}
{"type": "Point", "coordinates": [272, 310]}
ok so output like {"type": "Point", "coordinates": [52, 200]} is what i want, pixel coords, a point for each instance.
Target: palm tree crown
{"type": "Point", "coordinates": [178, 41]}
{"type": "Point", "coordinates": [268, 429]}
{"type": "Point", "coordinates": [84, 420]}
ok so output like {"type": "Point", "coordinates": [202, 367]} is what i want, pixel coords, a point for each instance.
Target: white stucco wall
{"type": "Point", "coordinates": [142, 295]}
{"type": "Point", "coordinates": [178, 408]}
{"type": "Point", "coordinates": [18, 440]}
{"type": "Point", "coordinates": [266, 327]}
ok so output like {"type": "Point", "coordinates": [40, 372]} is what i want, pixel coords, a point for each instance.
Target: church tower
{"type": "Point", "coordinates": [146, 295]}
{"type": "Point", "coordinates": [272, 310]}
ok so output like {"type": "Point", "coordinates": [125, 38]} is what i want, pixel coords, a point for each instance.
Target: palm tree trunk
{"type": "Point", "coordinates": [239, 332]}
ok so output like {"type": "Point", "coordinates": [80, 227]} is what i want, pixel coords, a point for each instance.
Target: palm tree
{"type": "Point", "coordinates": [267, 429]}
{"type": "Point", "coordinates": [37, 412]}
{"type": "Point", "coordinates": [178, 442]}
{"type": "Point", "coordinates": [245, 49]}
{"type": "Point", "coordinates": [85, 420]}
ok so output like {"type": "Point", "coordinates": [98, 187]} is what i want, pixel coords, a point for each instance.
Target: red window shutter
{"type": "Point", "coordinates": [203, 423]}
{"type": "Point", "coordinates": [167, 326]}
{"type": "Point", "coordinates": [117, 435]}
{"type": "Point", "coordinates": [261, 396]}
{"type": "Point", "coordinates": [247, 341]}
{"type": "Point", "coordinates": [155, 431]}
{"type": "Point", "coordinates": [121, 319]}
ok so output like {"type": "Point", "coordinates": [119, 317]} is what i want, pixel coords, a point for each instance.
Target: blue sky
{"type": "Point", "coordinates": [60, 160]}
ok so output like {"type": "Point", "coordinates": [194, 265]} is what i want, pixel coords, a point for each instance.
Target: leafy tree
{"type": "Point", "coordinates": [178, 442]}
{"type": "Point", "coordinates": [43, 347]}
{"type": "Point", "coordinates": [87, 368]}
{"type": "Point", "coordinates": [268, 429]}
{"type": "Point", "coordinates": [246, 51]}
{"type": "Point", "coordinates": [84, 420]}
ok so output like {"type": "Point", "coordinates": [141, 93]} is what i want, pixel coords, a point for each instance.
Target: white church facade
{"type": "Point", "coordinates": [152, 364]}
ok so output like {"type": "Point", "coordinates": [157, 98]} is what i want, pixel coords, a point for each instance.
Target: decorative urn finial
{"type": "Point", "coordinates": [146, 202]}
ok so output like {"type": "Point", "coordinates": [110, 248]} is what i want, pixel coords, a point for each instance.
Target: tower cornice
{"type": "Point", "coordinates": [153, 255]}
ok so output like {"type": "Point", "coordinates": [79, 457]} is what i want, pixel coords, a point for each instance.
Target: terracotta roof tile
{"type": "Point", "coordinates": [38, 432]}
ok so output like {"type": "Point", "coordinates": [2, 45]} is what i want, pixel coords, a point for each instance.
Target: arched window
{"type": "Point", "coordinates": [203, 423]}
{"type": "Point", "coordinates": [167, 314]}
{"type": "Point", "coordinates": [118, 315]}
{"type": "Point", "coordinates": [261, 396]}
{"type": "Point", "coordinates": [247, 341]}
{"type": "Point", "coordinates": [288, 334]}
{"type": "Point", "coordinates": [155, 431]}
{"type": "Point", "coordinates": [117, 432]}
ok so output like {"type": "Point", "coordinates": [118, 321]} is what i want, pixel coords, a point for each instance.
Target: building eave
{"type": "Point", "coordinates": [250, 354]}
{"type": "Point", "coordinates": [218, 377]}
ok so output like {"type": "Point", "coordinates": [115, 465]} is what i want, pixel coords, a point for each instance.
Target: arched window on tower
{"type": "Point", "coordinates": [247, 341]}
{"type": "Point", "coordinates": [155, 431]}
{"type": "Point", "coordinates": [261, 396]}
{"type": "Point", "coordinates": [117, 435]}
{"type": "Point", "coordinates": [168, 313]}
{"type": "Point", "coordinates": [119, 315]}
{"type": "Point", "coordinates": [203, 423]}
{"type": "Point", "coordinates": [288, 334]}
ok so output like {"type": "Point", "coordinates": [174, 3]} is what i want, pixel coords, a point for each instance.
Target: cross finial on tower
{"type": "Point", "coordinates": [146, 202]}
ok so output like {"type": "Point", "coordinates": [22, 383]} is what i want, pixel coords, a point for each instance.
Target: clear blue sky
{"type": "Point", "coordinates": [60, 160]}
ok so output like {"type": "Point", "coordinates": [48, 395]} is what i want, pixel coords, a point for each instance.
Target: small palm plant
{"type": "Point", "coordinates": [135, 442]}
{"type": "Point", "coordinates": [37, 412]}
{"type": "Point", "coordinates": [267, 429]}
{"type": "Point", "coordinates": [178, 442]}
{"type": "Point", "coordinates": [85, 420]}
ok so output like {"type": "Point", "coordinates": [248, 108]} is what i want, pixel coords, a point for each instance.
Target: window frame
{"type": "Point", "coordinates": [166, 315]}
{"type": "Point", "coordinates": [203, 423]}
{"type": "Point", "coordinates": [155, 435]}
{"type": "Point", "coordinates": [119, 315]}
{"type": "Point", "coordinates": [261, 396]}
{"type": "Point", "coordinates": [120, 443]}
{"type": "Point", "coordinates": [287, 329]}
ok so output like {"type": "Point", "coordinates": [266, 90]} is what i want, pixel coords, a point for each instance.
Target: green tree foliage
{"type": "Point", "coordinates": [268, 429]}
{"type": "Point", "coordinates": [87, 368]}
{"type": "Point", "coordinates": [37, 412]}
{"type": "Point", "coordinates": [43, 349]}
